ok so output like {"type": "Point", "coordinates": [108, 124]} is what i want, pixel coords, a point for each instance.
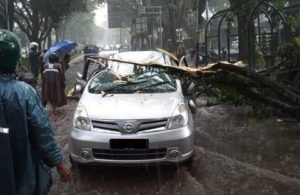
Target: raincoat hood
{"type": "Point", "coordinates": [9, 51]}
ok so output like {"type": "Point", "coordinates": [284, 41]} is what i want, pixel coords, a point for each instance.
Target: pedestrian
{"type": "Point", "coordinates": [65, 66]}
{"type": "Point", "coordinates": [169, 46]}
{"type": "Point", "coordinates": [27, 145]}
{"type": "Point", "coordinates": [34, 59]}
{"type": "Point", "coordinates": [90, 50]}
{"type": "Point", "coordinates": [65, 62]}
{"type": "Point", "coordinates": [180, 50]}
{"type": "Point", "coordinates": [192, 58]}
{"type": "Point", "coordinates": [180, 53]}
{"type": "Point", "coordinates": [52, 84]}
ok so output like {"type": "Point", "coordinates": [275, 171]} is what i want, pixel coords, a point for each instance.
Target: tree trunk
{"type": "Point", "coordinates": [49, 38]}
{"type": "Point", "coordinates": [57, 39]}
{"type": "Point", "coordinates": [35, 25]}
{"type": "Point", "coordinates": [6, 14]}
{"type": "Point", "coordinates": [243, 38]}
{"type": "Point", "coordinates": [2, 22]}
{"type": "Point", "coordinates": [243, 12]}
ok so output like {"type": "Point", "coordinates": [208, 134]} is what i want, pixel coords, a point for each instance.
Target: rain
{"type": "Point", "coordinates": [150, 97]}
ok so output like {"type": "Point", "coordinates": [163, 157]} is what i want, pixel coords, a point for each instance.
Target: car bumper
{"type": "Point", "coordinates": [174, 146]}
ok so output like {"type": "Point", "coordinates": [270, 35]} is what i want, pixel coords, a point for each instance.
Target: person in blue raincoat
{"type": "Point", "coordinates": [27, 142]}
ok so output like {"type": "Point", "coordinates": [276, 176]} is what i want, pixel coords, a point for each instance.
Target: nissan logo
{"type": "Point", "coordinates": [128, 127]}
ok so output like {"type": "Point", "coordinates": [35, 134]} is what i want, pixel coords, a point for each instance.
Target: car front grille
{"type": "Point", "coordinates": [111, 126]}
{"type": "Point", "coordinates": [129, 154]}
{"type": "Point", "coordinates": [138, 125]}
{"type": "Point", "coordinates": [152, 124]}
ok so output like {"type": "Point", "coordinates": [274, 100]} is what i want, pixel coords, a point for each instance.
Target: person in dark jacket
{"type": "Point", "coordinates": [34, 59]}
{"type": "Point", "coordinates": [90, 50]}
{"type": "Point", "coordinates": [27, 145]}
{"type": "Point", "coordinates": [52, 83]}
{"type": "Point", "coordinates": [180, 50]}
{"type": "Point", "coordinates": [65, 66]}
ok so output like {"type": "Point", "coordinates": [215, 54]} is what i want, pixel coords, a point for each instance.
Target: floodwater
{"type": "Point", "coordinates": [234, 154]}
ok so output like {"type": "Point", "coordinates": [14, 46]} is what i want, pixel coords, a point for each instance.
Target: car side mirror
{"type": "Point", "coordinates": [191, 96]}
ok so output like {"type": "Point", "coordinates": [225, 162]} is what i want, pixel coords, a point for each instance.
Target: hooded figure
{"type": "Point", "coordinates": [27, 145]}
{"type": "Point", "coordinates": [180, 50]}
{"type": "Point", "coordinates": [34, 59]}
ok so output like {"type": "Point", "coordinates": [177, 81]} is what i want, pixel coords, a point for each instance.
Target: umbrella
{"type": "Point", "coordinates": [60, 48]}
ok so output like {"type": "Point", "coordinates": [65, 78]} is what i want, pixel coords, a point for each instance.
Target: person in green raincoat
{"type": "Point", "coordinates": [27, 146]}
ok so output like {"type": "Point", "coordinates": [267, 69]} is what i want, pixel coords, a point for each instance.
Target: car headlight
{"type": "Point", "coordinates": [81, 119]}
{"type": "Point", "coordinates": [179, 117]}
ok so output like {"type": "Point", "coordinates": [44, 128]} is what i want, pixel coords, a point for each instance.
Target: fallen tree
{"type": "Point", "coordinates": [252, 85]}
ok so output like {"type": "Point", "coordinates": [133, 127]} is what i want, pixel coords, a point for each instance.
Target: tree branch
{"type": "Point", "coordinates": [245, 81]}
{"type": "Point", "coordinates": [47, 31]}
{"type": "Point", "coordinates": [241, 86]}
{"type": "Point", "coordinates": [23, 16]}
{"type": "Point", "coordinates": [264, 81]}
{"type": "Point", "coordinates": [24, 6]}
{"type": "Point", "coordinates": [24, 29]}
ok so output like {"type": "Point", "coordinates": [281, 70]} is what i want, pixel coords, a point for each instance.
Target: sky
{"type": "Point", "coordinates": [101, 15]}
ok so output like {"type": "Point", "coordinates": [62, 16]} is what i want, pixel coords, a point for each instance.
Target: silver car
{"type": "Point", "coordinates": [132, 115]}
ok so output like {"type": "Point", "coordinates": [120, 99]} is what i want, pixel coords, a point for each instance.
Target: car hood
{"type": "Point", "coordinates": [131, 106]}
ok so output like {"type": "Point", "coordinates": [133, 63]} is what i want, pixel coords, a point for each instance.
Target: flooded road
{"type": "Point", "coordinates": [234, 154]}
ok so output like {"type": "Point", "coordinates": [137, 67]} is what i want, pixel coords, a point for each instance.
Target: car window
{"type": "Point", "coordinates": [125, 69]}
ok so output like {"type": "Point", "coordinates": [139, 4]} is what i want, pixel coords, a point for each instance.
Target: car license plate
{"type": "Point", "coordinates": [129, 143]}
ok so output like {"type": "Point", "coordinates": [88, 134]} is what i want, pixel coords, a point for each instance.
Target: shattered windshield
{"type": "Point", "coordinates": [148, 82]}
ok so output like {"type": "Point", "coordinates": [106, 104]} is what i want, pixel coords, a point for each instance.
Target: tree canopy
{"type": "Point", "coordinates": [37, 18]}
{"type": "Point", "coordinates": [81, 28]}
